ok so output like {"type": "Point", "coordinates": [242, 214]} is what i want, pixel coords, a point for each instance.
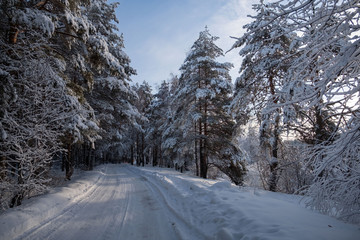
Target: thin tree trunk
{"type": "Point", "coordinates": [274, 157]}
{"type": "Point", "coordinates": [203, 165]}
{"type": "Point", "coordinates": [2, 168]}
{"type": "Point", "coordinates": [69, 168]}
{"type": "Point", "coordinates": [274, 146]}
{"type": "Point", "coordinates": [205, 148]}
{"type": "Point", "coordinates": [142, 149]}
{"type": "Point", "coordinates": [155, 156]}
{"type": "Point", "coordinates": [202, 157]}
{"type": "Point", "coordinates": [196, 154]}
{"type": "Point", "coordinates": [132, 155]}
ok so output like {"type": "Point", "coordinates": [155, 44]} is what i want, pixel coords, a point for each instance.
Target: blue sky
{"type": "Point", "coordinates": [159, 33]}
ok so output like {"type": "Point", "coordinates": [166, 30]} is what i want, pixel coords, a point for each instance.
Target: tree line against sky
{"type": "Point", "coordinates": [66, 99]}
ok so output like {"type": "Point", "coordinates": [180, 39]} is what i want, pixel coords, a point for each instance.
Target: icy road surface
{"type": "Point", "coordinates": [126, 202]}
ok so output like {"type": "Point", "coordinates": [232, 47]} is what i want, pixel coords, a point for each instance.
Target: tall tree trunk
{"type": "Point", "coordinates": [132, 155]}
{"type": "Point", "coordinates": [137, 150]}
{"type": "Point", "coordinates": [274, 157]}
{"type": "Point", "coordinates": [155, 155]}
{"type": "Point", "coordinates": [142, 149]}
{"type": "Point", "coordinates": [203, 165]}
{"type": "Point", "coordinates": [91, 158]}
{"type": "Point", "coordinates": [2, 168]}
{"type": "Point", "coordinates": [205, 148]}
{"type": "Point", "coordinates": [202, 156]}
{"type": "Point", "coordinates": [85, 156]}
{"type": "Point", "coordinates": [274, 145]}
{"type": "Point", "coordinates": [69, 167]}
{"type": "Point", "coordinates": [196, 153]}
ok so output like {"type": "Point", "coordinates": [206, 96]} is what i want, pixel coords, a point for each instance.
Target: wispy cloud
{"type": "Point", "coordinates": [228, 22]}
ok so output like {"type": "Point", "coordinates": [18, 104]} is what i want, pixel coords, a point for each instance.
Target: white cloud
{"type": "Point", "coordinates": [158, 47]}
{"type": "Point", "coordinates": [228, 22]}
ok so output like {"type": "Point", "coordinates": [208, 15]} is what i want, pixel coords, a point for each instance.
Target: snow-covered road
{"type": "Point", "coordinates": [126, 202]}
{"type": "Point", "coordinates": [119, 204]}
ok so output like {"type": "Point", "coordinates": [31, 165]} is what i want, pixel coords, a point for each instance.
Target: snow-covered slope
{"type": "Point", "coordinates": [126, 202]}
{"type": "Point", "coordinates": [221, 210]}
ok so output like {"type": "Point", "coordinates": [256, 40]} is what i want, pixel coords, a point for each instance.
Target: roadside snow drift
{"type": "Point", "coordinates": [126, 202]}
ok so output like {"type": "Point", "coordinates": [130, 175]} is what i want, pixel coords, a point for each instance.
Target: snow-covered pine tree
{"type": "Point", "coordinates": [142, 103]}
{"type": "Point", "coordinates": [157, 115]}
{"type": "Point", "coordinates": [204, 92]}
{"type": "Point", "coordinates": [171, 133]}
{"type": "Point", "coordinates": [324, 75]}
{"type": "Point", "coordinates": [111, 96]}
{"type": "Point", "coordinates": [262, 74]}
{"type": "Point", "coordinates": [66, 47]}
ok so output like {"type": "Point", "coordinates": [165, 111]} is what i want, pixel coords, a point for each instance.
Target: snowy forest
{"type": "Point", "coordinates": [289, 123]}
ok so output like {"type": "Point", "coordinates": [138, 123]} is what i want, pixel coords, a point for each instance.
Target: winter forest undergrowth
{"type": "Point", "coordinates": [289, 123]}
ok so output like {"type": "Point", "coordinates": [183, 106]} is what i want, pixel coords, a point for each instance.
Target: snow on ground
{"type": "Point", "coordinates": [126, 202]}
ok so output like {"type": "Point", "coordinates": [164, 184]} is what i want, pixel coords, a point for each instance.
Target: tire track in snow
{"type": "Point", "coordinates": [68, 209]}
{"type": "Point", "coordinates": [119, 205]}
{"type": "Point", "coordinates": [154, 222]}
{"type": "Point", "coordinates": [185, 229]}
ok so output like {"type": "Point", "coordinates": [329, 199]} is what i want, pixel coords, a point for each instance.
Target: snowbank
{"type": "Point", "coordinates": [39, 210]}
{"type": "Point", "coordinates": [221, 210]}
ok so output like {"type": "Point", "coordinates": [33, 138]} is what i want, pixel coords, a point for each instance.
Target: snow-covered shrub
{"type": "Point", "coordinates": [32, 126]}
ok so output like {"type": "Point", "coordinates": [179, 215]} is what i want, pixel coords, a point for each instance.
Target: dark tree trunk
{"type": "Point", "coordinates": [142, 150]}
{"type": "Point", "coordinates": [16, 200]}
{"type": "Point", "coordinates": [132, 155]}
{"type": "Point", "coordinates": [19, 196]}
{"type": "Point", "coordinates": [69, 167]}
{"type": "Point", "coordinates": [274, 146]}
{"type": "Point", "coordinates": [202, 156]}
{"type": "Point", "coordinates": [196, 155]}
{"type": "Point", "coordinates": [63, 161]}
{"type": "Point", "coordinates": [2, 168]}
{"type": "Point", "coordinates": [155, 156]}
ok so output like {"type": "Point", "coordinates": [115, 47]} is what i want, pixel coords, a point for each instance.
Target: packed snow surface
{"type": "Point", "coordinates": [126, 202]}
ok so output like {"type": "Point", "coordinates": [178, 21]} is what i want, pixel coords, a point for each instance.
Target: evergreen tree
{"type": "Point", "coordinates": [110, 96]}
{"type": "Point", "coordinates": [262, 76]}
{"type": "Point", "coordinates": [34, 98]}
{"type": "Point", "coordinates": [52, 56]}
{"type": "Point", "coordinates": [142, 103]}
{"type": "Point", "coordinates": [157, 115]}
{"type": "Point", "coordinates": [202, 99]}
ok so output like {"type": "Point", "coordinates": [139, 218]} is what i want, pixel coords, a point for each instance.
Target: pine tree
{"type": "Point", "coordinates": [157, 115]}
{"type": "Point", "coordinates": [262, 76]}
{"type": "Point", "coordinates": [52, 56]}
{"type": "Point", "coordinates": [111, 95]}
{"type": "Point", "coordinates": [142, 103]}
{"type": "Point", "coordinates": [203, 96]}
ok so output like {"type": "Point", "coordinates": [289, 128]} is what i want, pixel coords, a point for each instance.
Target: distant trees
{"type": "Point", "coordinates": [157, 114]}
{"type": "Point", "coordinates": [142, 103]}
{"type": "Point", "coordinates": [318, 92]}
